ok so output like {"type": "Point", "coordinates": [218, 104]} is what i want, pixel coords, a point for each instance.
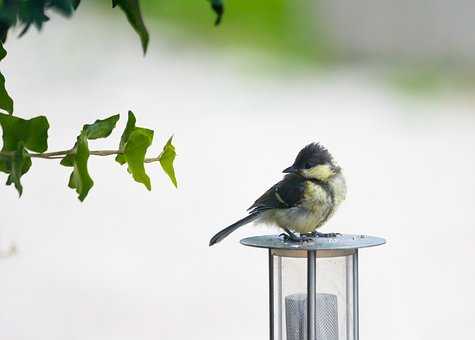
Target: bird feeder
{"type": "Point", "coordinates": [313, 286]}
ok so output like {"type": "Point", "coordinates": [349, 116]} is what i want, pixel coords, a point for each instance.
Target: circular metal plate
{"type": "Point", "coordinates": [340, 242]}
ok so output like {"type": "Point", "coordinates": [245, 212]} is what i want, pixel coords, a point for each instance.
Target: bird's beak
{"type": "Point", "coordinates": [290, 170]}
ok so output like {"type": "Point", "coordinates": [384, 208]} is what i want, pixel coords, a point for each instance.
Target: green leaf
{"type": "Point", "coordinates": [19, 135]}
{"type": "Point", "coordinates": [33, 133]}
{"type": "Point", "coordinates": [64, 7]}
{"type": "Point", "coordinates": [31, 12]}
{"type": "Point", "coordinates": [80, 178]}
{"type": "Point", "coordinates": [6, 102]}
{"type": "Point", "coordinates": [68, 160]}
{"type": "Point", "coordinates": [125, 137]}
{"type": "Point", "coordinates": [76, 3]}
{"type": "Point", "coordinates": [133, 145]}
{"type": "Point", "coordinates": [101, 128]}
{"type": "Point", "coordinates": [218, 8]}
{"type": "Point", "coordinates": [134, 154]}
{"type": "Point", "coordinates": [131, 8]}
{"type": "Point", "coordinates": [3, 52]}
{"type": "Point", "coordinates": [20, 163]}
{"type": "Point", "coordinates": [167, 158]}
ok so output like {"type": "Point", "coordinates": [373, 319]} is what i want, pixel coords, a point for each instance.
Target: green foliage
{"type": "Point", "coordinates": [6, 103]}
{"type": "Point", "coordinates": [125, 136]}
{"type": "Point", "coordinates": [33, 133]}
{"type": "Point", "coordinates": [31, 12]}
{"type": "Point", "coordinates": [79, 155]}
{"type": "Point", "coordinates": [21, 136]}
{"type": "Point", "coordinates": [20, 163]}
{"type": "Point", "coordinates": [218, 8]}
{"type": "Point", "coordinates": [133, 145]}
{"type": "Point", "coordinates": [283, 29]}
{"type": "Point", "coordinates": [139, 141]}
{"type": "Point", "coordinates": [80, 178]}
{"type": "Point", "coordinates": [27, 139]}
{"type": "Point", "coordinates": [18, 136]}
{"type": "Point", "coordinates": [101, 128]}
{"type": "Point", "coordinates": [132, 11]}
{"type": "Point", "coordinates": [167, 157]}
{"type": "Point", "coordinates": [34, 12]}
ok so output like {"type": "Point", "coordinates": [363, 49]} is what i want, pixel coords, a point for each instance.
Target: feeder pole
{"type": "Point", "coordinates": [311, 295]}
{"type": "Point", "coordinates": [356, 315]}
{"type": "Point", "coordinates": [271, 295]}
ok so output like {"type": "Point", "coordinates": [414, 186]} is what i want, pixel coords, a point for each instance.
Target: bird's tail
{"type": "Point", "coordinates": [226, 231]}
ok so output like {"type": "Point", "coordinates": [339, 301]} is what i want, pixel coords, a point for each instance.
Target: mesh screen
{"type": "Point", "coordinates": [296, 317]}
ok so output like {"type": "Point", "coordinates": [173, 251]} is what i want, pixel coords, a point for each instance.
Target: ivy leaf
{"type": "Point", "coordinates": [6, 102]}
{"type": "Point", "coordinates": [20, 163]}
{"type": "Point", "coordinates": [80, 178]}
{"type": "Point", "coordinates": [33, 133]}
{"type": "Point", "coordinates": [31, 12]}
{"type": "Point", "coordinates": [101, 128]}
{"type": "Point", "coordinates": [64, 7]}
{"type": "Point", "coordinates": [125, 137]}
{"type": "Point", "coordinates": [3, 31]}
{"type": "Point", "coordinates": [134, 154]}
{"type": "Point", "coordinates": [133, 147]}
{"type": "Point", "coordinates": [218, 8]}
{"type": "Point", "coordinates": [19, 135]}
{"type": "Point", "coordinates": [76, 3]}
{"type": "Point", "coordinates": [166, 160]}
{"type": "Point", "coordinates": [131, 8]}
{"type": "Point", "coordinates": [3, 52]}
{"type": "Point", "coordinates": [68, 160]}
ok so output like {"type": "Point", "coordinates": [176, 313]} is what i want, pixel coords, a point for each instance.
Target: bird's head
{"type": "Point", "coordinates": [314, 162]}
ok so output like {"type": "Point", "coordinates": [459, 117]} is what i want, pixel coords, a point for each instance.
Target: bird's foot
{"type": "Point", "coordinates": [324, 235]}
{"type": "Point", "coordinates": [292, 237]}
{"type": "Point", "coordinates": [289, 236]}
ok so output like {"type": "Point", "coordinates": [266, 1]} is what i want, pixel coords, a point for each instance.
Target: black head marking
{"type": "Point", "coordinates": [312, 155]}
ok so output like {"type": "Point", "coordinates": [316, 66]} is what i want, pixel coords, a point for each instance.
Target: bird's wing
{"type": "Point", "coordinates": [285, 194]}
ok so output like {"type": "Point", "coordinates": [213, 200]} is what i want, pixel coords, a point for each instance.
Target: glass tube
{"type": "Point", "coordinates": [333, 310]}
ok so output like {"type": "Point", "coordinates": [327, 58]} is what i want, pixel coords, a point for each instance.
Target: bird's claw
{"type": "Point", "coordinates": [291, 237]}
{"type": "Point", "coordinates": [325, 235]}
{"type": "Point", "coordinates": [306, 238]}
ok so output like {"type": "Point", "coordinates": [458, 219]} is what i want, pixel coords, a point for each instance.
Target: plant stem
{"type": "Point", "coordinates": [151, 160]}
{"type": "Point", "coordinates": [62, 153]}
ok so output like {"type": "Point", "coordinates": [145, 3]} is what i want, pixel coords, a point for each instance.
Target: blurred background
{"type": "Point", "coordinates": [387, 86]}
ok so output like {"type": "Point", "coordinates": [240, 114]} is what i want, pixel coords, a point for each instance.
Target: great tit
{"type": "Point", "coordinates": [302, 201]}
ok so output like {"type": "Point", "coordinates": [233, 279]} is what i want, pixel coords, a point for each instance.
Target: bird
{"type": "Point", "coordinates": [307, 196]}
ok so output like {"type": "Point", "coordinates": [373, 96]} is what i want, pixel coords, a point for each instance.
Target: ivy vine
{"type": "Point", "coordinates": [24, 140]}
{"type": "Point", "coordinates": [27, 139]}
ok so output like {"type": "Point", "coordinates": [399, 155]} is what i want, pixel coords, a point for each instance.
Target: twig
{"type": "Point", "coordinates": [61, 154]}
{"type": "Point", "coordinates": [151, 160]}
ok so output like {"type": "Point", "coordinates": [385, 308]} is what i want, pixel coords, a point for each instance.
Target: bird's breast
{"type": "Point", "coordinates": [319, 201]}
{"type": "Point", "coordinates": [315, 197]}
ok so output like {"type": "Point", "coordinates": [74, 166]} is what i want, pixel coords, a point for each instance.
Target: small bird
{"type": "Point", "coordinates": [302, 201]}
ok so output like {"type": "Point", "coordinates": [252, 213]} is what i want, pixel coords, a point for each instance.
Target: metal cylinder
{"type": "Point", "coordinates": [313, 286]}
{"type": "Point", "coordinates": [311, 294]}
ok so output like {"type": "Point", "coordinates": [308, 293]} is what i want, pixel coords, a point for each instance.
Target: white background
{"type": "Point", "coordinates": [129, 264]}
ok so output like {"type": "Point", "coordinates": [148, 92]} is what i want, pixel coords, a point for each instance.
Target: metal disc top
{"type": "Point", "coordinates": [340, 242]}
